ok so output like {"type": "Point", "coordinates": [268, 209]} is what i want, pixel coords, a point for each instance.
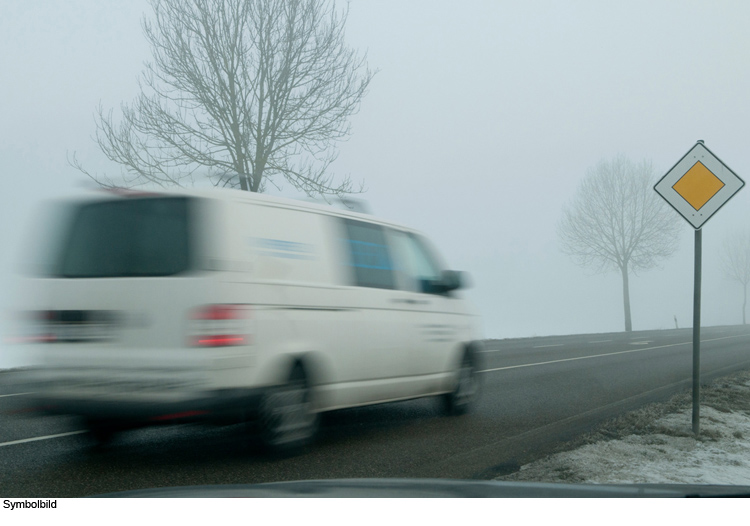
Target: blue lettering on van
{"type": "Point", "coordinates": [279, 248]}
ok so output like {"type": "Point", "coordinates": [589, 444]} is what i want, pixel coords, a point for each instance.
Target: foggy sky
{"type": "Point", "coordinates": [477, 129]}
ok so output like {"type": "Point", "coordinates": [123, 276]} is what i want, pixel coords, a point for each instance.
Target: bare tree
{"type": "Point", "coordinates": [239, 91]}
{"type": "Point", "coordinates": [617, 222]}
{"type": "Point", "coordinates": [736, 263]}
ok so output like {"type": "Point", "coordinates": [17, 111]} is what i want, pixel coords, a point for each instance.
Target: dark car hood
{"type": "Point", "coordinates": [424, 488]}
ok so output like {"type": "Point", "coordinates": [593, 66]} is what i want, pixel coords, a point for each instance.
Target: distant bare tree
{"type": "Point", "coordinates": [618, 222]}
{"type": "Point", "coordinates": [736, 263]}
{"type": "Point", "coordinates": [240, 91]}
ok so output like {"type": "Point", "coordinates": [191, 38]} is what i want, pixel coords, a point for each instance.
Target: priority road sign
{"type": "Point", "coordinates": [698, 185]}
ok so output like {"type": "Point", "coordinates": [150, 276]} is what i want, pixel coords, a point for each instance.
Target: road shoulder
{"type": "Point", "coordinates": [655, 444]}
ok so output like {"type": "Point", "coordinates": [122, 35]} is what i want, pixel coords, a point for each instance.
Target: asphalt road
{"type": "Point", "coordinates": [537, 392]}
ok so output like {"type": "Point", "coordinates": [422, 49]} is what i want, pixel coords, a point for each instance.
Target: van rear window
{"type": "Point", "coordinates": [127, 238]}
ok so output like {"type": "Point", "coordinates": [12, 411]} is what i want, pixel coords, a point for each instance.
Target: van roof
{"type": "Point", "coordinates": [229, 194]}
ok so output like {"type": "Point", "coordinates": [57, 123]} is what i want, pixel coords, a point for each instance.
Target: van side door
{"type": "Point", "coordinates": [385, 335]}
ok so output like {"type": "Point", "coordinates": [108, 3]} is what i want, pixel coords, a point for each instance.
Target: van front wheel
{"type": "Point", "coordinates": [466, 390]}
{"type": "Point", "coordinates": [287, 417]}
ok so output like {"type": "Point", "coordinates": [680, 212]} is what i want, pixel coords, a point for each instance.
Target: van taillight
{"type": "Point", "coordinates": [220, 326]}
{"type": "Point", "coordinates": [35, 327]}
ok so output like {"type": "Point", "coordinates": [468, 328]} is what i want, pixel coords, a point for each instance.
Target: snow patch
{"type": "Point", "coordinates": [721, 455]}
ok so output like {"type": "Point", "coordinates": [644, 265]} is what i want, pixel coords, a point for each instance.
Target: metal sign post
{"type": "Point", "coordinates": [696, 187]}
{"type": "Point", "coordinates": [697, 334]}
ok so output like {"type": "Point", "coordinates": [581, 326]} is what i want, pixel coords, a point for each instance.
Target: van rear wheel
{"type": "Point", "coordinates": [287, 419]}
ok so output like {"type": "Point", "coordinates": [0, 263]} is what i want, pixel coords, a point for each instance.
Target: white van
{"type": "Point", "coordinates": [231, 306]}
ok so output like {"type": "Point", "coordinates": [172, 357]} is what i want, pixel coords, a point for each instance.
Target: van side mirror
{"type": "Point", "coordinates": [449, 280]}
{"type": "Point", "coordinates": [454, 279]}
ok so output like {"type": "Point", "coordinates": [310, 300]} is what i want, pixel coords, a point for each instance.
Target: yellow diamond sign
{"type": "Point", "coordinates": [698, 185]}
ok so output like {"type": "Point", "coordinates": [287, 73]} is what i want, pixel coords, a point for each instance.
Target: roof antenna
{"type": "Point", "coordinates": [355, 205]}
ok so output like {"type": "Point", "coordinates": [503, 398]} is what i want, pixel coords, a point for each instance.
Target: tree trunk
{"type": "Point", "coordinates": [626, 297]}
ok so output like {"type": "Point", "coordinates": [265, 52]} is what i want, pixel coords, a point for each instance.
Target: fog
{"type": "Point", "coordinates": [477, 129]}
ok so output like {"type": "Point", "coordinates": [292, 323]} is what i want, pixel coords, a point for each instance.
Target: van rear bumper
{"type": "Point", "coordinates": [219, 406]}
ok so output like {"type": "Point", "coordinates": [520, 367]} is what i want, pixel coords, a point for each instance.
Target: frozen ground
{"type": "Point", "coordinates": [656, 444]}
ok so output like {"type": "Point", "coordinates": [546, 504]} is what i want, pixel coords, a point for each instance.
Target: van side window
{"type": "Point", "coordinates": [368, 255]}
{"type": "Point", "coordinates": [414, 262]}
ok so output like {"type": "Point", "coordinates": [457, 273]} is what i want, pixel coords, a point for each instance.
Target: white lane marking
{"type": "Point", "coordinates": [605, 354]}
{"type": "Point", "coordinates": [14, 394]}
{"type": "Point", "coordinates": [600, 341]}
{"type": "Point", "coordinates": [552, 345]}
{"type": "Point", "coordinates": [34, 439]}
{"type": "Point", "coordinates": [640, 343]}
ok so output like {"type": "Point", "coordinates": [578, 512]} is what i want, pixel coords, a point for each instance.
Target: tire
{"type": "Point", "coordinates": [466, 390]}
{"type": "Point", "coordinates": [287, 419]}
